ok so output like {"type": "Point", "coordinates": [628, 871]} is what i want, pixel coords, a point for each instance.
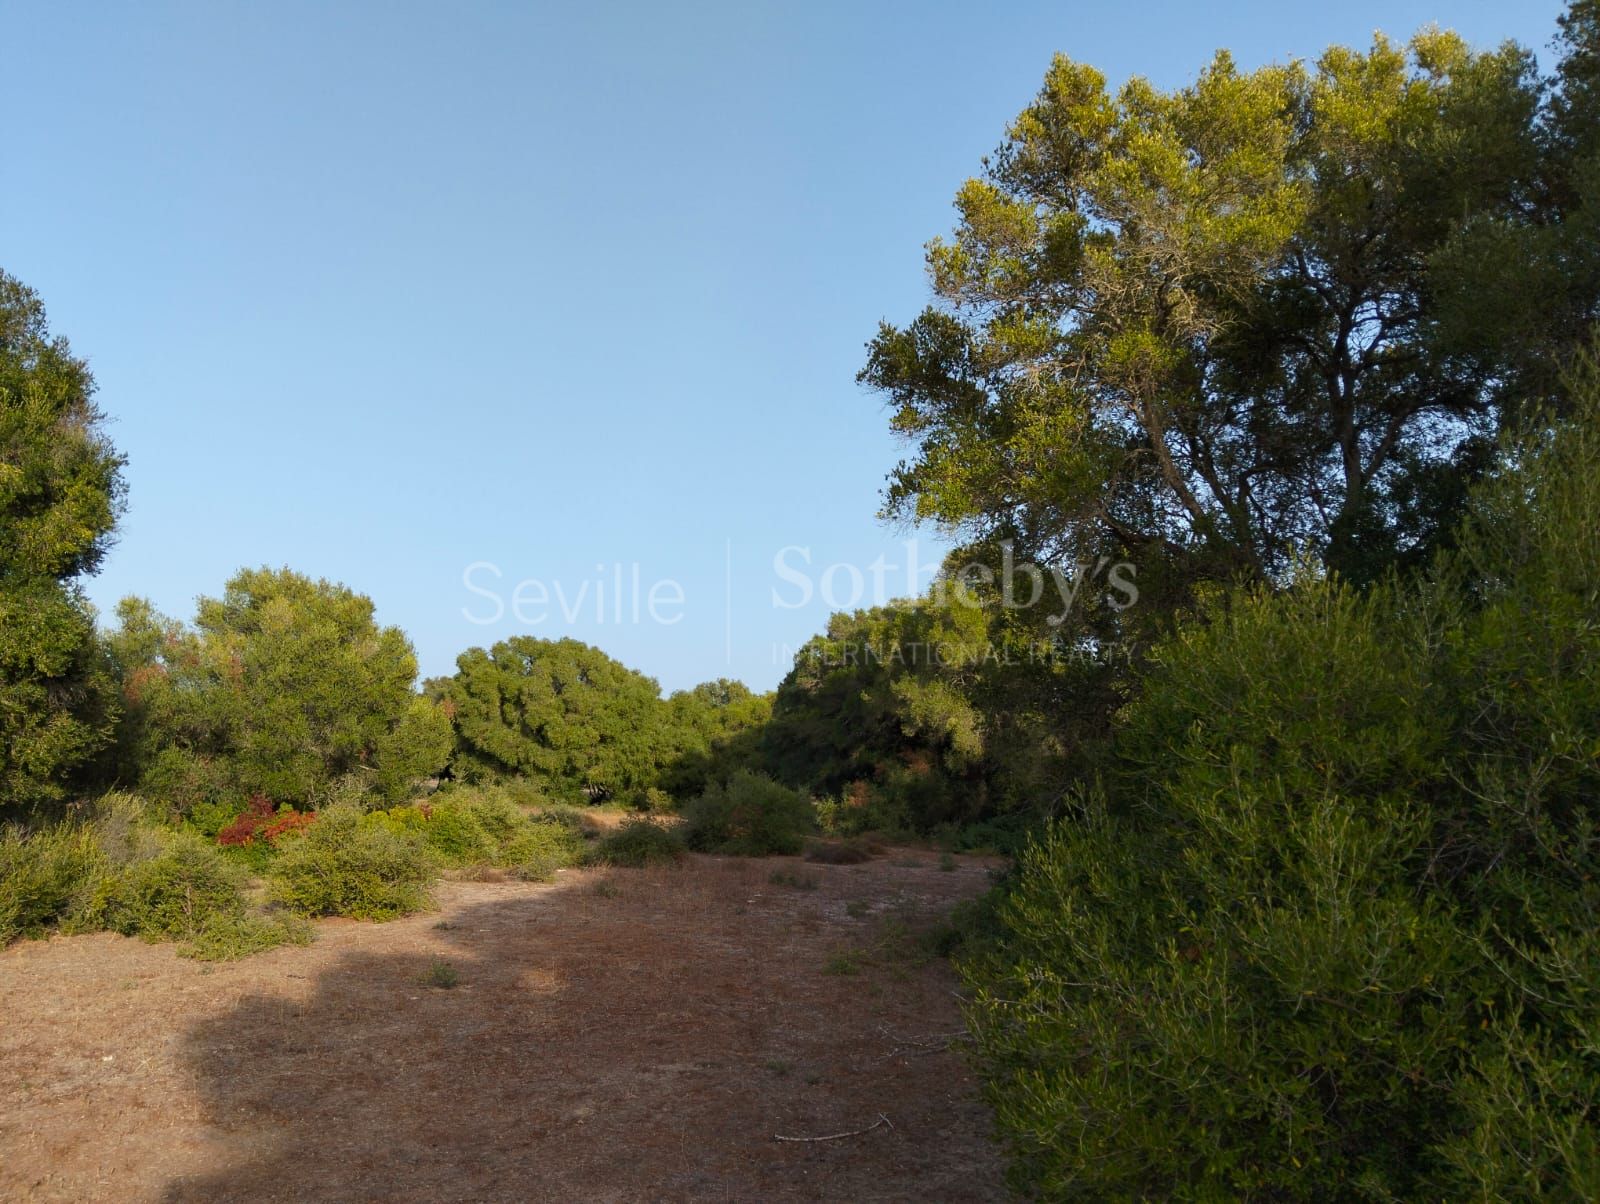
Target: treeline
{"type": "Point", "coordinates": [284, 691]}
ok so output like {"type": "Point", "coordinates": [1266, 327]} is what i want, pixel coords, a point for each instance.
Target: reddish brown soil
{"type": "Point", "coordinates": [618, 1035]}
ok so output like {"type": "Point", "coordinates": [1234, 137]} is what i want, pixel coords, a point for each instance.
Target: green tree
{"type": "Point", "coordinates": [948, 708]}
{"type": "Point", "coordinates": [1204, 326]}
{"type": "Point", "coordinates": [61, 491]}
{"type": "Point", "coordinates": [1522, 291]}
{"type": "Point", "coordinates": [561, 713]}
{"type": "Point", "coordinates": [714, 730]}
{"type": "Point", "coordinates": [284, 685]}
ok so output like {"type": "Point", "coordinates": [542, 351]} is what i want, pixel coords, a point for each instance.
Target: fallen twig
{"type": "Point", "coordinates": [937, 1043]}
{"type": "Point", "coordinates": [882, 1120]}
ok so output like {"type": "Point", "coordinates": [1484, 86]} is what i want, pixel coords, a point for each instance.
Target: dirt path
{"type": "Point", "coordinates": [619, 1035]}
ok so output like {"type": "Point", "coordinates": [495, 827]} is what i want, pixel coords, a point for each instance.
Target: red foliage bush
{"type": "Point", "coordinates": [260, 820]}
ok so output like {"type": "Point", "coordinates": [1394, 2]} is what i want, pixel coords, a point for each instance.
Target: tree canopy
{"type": "Point", "coordinates": [1228, 322]}
{"type": "Point", "coordinates": [61, 491]}
{"type": "Point", "coordinates": [284, 685]}
{"type": "Point", "coordinates": [559, 712]}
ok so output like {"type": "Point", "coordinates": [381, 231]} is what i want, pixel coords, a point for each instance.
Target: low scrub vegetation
{"type": "Point", "coordinates": [441, 975]}
{"type": "Point", "coordinates": [841, 852]}
{"type": "Point", "coordinates": [751, 815]}
{"type": "Point", "coordinates": [350, 864]}
{"type": "Point", "coordinates": [482, 826]}
{"type": "Point", "coordinates": [115, 870]}
{"type": "Point", "coordinates": [638, 843]}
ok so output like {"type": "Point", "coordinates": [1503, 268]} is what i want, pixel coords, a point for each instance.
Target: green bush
{"type": "Point", "coordinates": [45, 873]}
{"type": "Point", "coordinates": [471, 826]}
{"type": "Point", "coordinates": [1332, 932]}
{"type": "Point", "coordinates": [212, 815]}
{"type": "Point", "coordinates": [579, 820]}
{"type": "Point", "coordinates": [347, 864]}
{"type": "Point", "coordinates": [655, 799]}
{"type": "Point", "coordinates": [113, 870]}
{"type": "Point", "coordinates": [457, 834]}
{"type": "Point", "coordinates": [170, 895]}
{"type": "Point", "coordinates": [751, 816]}
{"type": "Point", "coordinates": [638, 843]}
{"type": "Point", "coordinates": [541, 847]}
{"type": "Point", "coordinates": [1006, 836]}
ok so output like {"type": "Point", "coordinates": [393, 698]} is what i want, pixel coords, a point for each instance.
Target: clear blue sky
{"type": "Point", "coordinates": [380, 291]}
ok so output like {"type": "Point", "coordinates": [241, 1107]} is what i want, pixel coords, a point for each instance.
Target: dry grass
{"type": "Point", "coordinates": [615, 1035]}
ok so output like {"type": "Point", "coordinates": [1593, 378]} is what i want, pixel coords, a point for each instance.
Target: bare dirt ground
{"type": "Point", "coordinates": [617, 1035]}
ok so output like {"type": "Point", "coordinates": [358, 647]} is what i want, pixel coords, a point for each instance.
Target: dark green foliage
{"type": "Point", "coordinates": [417, 746]}
{"type": "Point", "coordinates": [286, 687]}
{"type": "Point", "coordinates": [751, 816]}
{"type": "Point", "coordinates": [560, 713]}
{"type": "Point", "coordinates": [838, 852]}
{"type": "Point", "coordinates": [943, 711]}
{"type": "Point", "coordinates": [1332, 933]}
{"type": "Point", "coordinates": [715, 729]}
{"type": "Point", "coordinates": [347, 864]}
{"type": "Point", "coordinates": [1229, 986]}
{"type": "Point", "coordinates": [1006, 836]}
{"type": "Point", "coordinates": [61, 491]}
{"type": "Point", "coordinates": [564, 718]}
{"type": "Point", "coordinates": [638, 843]}
{"type": "Point", "coordinates": [1524, 291]}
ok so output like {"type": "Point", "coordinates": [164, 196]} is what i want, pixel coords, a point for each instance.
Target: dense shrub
{"type": "Point", "coordinates": [1006, 836]}
{"type": "Point", "coordinates": [1331, 934]}
{"type": "Point", "coordinates": [655, 799]}
{"type": "Point", "coordinates": [750, 815]}
{"type": "Point", "coordinates": [455, 831]}
{"type": "Point", "coordinates": [44, 875]}
{"type": "Point", "coordinates": [223, 936]}
{"type": "Point", "coordinates": [638, 843]}
{"type": "Point", "coordinates": [713, 729]}
{"type": "Point", "coordinates": [545, 847]}
{"type": "Point", "coordinates": [347, 864]}
{"type": "Point", "coordinates": [112, 869]}
{"type": "Point", "coordinates": [469, 826]}
{"type": "Point", "coordinates": [170, 895]}
{"type": "Point", "coordinates": [939, 711]}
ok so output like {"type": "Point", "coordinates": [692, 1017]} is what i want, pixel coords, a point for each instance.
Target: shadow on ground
{"type": "Point", "coordinates": [636, 1036]}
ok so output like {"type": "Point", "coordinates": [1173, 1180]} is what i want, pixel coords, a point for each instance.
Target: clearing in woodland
{"type": "Point", "coordinates": [616, 1035]}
